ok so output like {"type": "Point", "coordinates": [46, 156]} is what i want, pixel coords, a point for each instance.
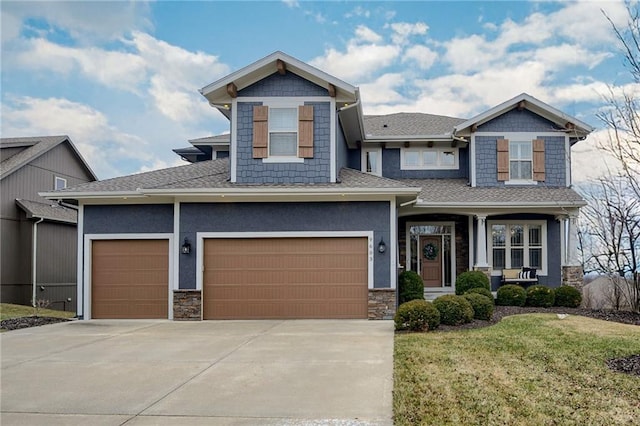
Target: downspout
{"type": "Point", "coordinates": [34, 262]}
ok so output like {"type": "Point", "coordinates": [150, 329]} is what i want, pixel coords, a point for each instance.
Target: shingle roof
{"type": "Point", "coordinates": [226, 138]}
{"type": "Point", "coordinates": [213, 174]}
{"type": "Point", "coordinates": [409, 124]}
{"type": "Point", "coordinates": [36, 147]}
{"type": "Point", "coordinates": [48, 211]}
{"type": "Point", "coordinates": [458, 192]}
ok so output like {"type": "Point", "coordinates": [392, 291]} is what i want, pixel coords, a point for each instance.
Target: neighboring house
{"type": "Point", "coordinates": [308, 208]}
{"type": "Point", "coordinates": [39, 236]}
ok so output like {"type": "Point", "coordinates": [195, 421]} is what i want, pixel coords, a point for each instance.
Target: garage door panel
{"type": "Point", "coordinates": [130, 279]}
{"type": "Point", "coordinates": [285, 278]}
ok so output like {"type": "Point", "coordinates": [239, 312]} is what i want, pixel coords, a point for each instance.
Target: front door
{"type": "Point", "coordinates": [431, 260]}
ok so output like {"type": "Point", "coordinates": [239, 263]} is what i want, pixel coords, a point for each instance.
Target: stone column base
{"type": "Point", "coordinates": [573, 276]}
{"type": "Point", "coordinates": [187, 305]}
{"type": "Point", "coordinates": [382, 303]}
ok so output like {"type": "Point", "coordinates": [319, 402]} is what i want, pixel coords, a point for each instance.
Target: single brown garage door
{"type": "Point", "coordinates": [285, 278]}
{"type": "Point", "coordinates": [129, 279]}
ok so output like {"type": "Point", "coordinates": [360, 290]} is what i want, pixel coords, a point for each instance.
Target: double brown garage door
{"type": "Point", "coordinates": [285, 278]}
{"type": "Point", "coordinates": [263, 278]}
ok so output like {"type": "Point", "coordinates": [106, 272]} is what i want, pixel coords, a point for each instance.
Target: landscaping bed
{"type": "Point", "coordinates": [26, 322]}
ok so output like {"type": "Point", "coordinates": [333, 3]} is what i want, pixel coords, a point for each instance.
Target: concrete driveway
{"type": "Point", "coordinates": [108, 372]}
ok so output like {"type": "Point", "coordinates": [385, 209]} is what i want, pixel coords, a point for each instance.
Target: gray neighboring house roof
{"type": "Point", "coordinates": [458, 193]}
{"type": "Point", "coordinates": [214, 174]}
{"type": "Point", "coordinates": [216, 139]}
{"type": "Point", "coordinates": [50, 211]}
{"type": "Point", "coordinates": [409, 124]}
{"type": "Point", "coordinates": [36, 147]}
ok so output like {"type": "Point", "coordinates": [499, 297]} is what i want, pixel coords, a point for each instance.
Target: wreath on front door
{"type": "Point", "coordinates": [430, 251]}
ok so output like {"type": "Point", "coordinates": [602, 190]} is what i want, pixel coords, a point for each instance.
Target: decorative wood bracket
{"type": "Point", "coordinates": [232, 90]}
{"type": "Point", "coordinates": [332, 90]}
{"type": "Point", "coordinates": [281, 67]}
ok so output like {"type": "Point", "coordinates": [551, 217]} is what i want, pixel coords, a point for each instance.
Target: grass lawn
{"type": "Point", "coordinates": [532, 369]}
{"type": "Point", "coordinates": [8, 311]}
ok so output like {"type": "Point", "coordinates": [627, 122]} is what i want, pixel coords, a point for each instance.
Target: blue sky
{"type": "Point", "coordinates": [122, 78]}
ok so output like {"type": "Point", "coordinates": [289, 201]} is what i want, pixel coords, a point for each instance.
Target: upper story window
{"type": "Point", "coordinates": [520, 160]}
{"type": "Point", "coordinates": [429, 158]}
{"type": "Point", "coordinates": [59, 183]}
{"type": "Point", "coordinates": [372, 161]}
{"type": "Point", "coordinates": [283, 132]}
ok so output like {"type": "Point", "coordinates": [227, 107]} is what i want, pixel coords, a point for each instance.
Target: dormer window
{"type": "Point", "coordinates": [283, 133]}
{"type": "Point", "coordinates": [429, 158]}
{"type": "Point", "coordinates": [521, 161]}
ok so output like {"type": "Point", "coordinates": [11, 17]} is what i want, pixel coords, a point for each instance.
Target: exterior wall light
{"type": "Point", "coordinates": [186, 247]}
{"type": "Point", "coordinates": [382, 247]}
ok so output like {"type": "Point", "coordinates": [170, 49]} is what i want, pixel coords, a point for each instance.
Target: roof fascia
{"type": "Point", "coordinates": [540, 108]}
{"type": "Point", "coordinates": [262, 68]}
{"type": "Point", "coordinates": [504, 205]}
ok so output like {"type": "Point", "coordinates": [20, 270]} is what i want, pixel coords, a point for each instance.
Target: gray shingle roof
{"type": "Point", "coordinates": [409, 124]}
{"type": "Point", "coordinates": [48, 211]}
{"type": "Point", "coordinates": [214, 174]}
{"type": "Point", "coordinates": [458, 192]}
{"type": "Point", "coordinates": [225, 138]}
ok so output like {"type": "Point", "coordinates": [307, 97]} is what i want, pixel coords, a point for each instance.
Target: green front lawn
{"type": "Point", "coordinates": [7, 311]}
{"type": "Point", "coordinates": [530, 369]}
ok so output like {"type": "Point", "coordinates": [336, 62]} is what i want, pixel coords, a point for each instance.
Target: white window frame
{"type": "Point", "coordinates": [421, 166]}
{"type": "Point", "coordinates": [281, 104]}
{"type": "Point", "coordinates": [525, 224]}
{"type": "Point", "coordinates": [453, 251]}
{"type": "Point", "coordinates": [363, 161]}
{"type": "Point", "coordinates": [518, 159]}
{"type": "Point", "coordinates": [57, 179]}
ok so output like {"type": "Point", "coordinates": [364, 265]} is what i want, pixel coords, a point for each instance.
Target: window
{"type": "Point", "coordinates": [372, 161]}
{"type": "Point", "coordinates": [283, 132]}
{"type": "Point", "coordinates": [59, 183]}
{"type": "Point", "coordinates": [520, 160]}
{"type": "Point", "coordinates": [429, 158]}
{"type": "Point", "coordinates": [516, 245]}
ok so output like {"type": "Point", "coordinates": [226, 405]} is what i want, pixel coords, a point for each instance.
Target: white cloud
{"type": "Point", "coordinates": [589, 161]}
{"type": "Point", "coordinates": [102, 145]}
{"type": "Point", "coordinates": [366, 34]}
{"type": "Point", "coordinates": [291, 3]}
{"type": "Point", "coordinates": [382, 90]}
{"type": "Point", "coordinates": [358, 11]}
{"type": "Point", "coordinates": [358, 61]}
{"type": "Point", "coordinates": [422, 56]}
{"type": "Point", "coordinates": [402, 31]}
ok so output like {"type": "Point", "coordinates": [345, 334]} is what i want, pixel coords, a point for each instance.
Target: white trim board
{"type": "Point", "coordinates": [201, 236]}
{"type": "Point", "coordinates": [89, 238]}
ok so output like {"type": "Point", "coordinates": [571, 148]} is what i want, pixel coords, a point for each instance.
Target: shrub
{"type": "Point", "coordinates": [482, 291]}
{"type": "Point", "coordinates": [511, 295]}
{"type": "Point", "coordinates": [410, 286]}
{"type": "Point", "coordinates": [541, 296]}
{"type": "Point", "coordinates": [417, 315]}
{"type": "Point", "coordinates": [482, 305]}
{"type": "Point", "coordinates": [568, 296]}
{"type": "Point", "coordinates": [471, 279]}
{"type": "Point", "coordinates": [454, 310]}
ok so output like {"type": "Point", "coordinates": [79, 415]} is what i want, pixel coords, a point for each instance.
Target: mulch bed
{"type": "Point", "coordinates": [26, 322]}
{"type": "Point", "coordinates": [627, 365]}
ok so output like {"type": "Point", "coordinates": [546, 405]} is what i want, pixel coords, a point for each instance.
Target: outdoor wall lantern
{"type": "Point", "coordinates": [382, 247]}
{"type": "Point", "coordinates": [186, 247]}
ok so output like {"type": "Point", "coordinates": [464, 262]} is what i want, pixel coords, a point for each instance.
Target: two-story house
{"type": "Point", "coordinates": [39, 239]}
{"type": "Point", "coordinates": [308, 208]}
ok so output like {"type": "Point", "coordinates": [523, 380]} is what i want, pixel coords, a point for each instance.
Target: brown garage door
{"type": "Point", "coordinates": [129, 278]}
{"type": "Point", "coordinates": [285, 278]}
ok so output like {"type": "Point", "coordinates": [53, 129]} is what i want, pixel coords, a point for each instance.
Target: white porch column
{"type": "Point", "coordinates": [481, 236]}
{"type": "Point", "coordinates": [562, 220]}
{"type": "Point", "coordinates": [572, 240]}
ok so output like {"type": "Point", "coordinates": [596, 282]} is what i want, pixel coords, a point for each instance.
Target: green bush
{"type": "Point", "coordinates": [540, 296]}
{"type": "Point", "coordinates": [471, 279]}
{"type": "Point", "coordinates": [482, 291]}
{"type": "Point", "coordinates": [482, 305]}
{"type": "Point", "coordinates": [411, 287]}
{"type": "Point", "coordinates": [511, 295]}
{"type": "Point", "coordinates": [454, 310]}
{"type": "Point", "coordinates": [417, 315]}
{"type": "Point", "coordinates": [568, 296]}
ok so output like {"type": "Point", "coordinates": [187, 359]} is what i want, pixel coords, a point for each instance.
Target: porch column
{"type": "Point", "coordinates": [481, 238]}
{"type": "Point", "coordinates": [572, 240]}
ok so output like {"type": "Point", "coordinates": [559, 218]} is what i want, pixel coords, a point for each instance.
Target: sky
{"type": "Point", "coordinates": [121, 78]}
